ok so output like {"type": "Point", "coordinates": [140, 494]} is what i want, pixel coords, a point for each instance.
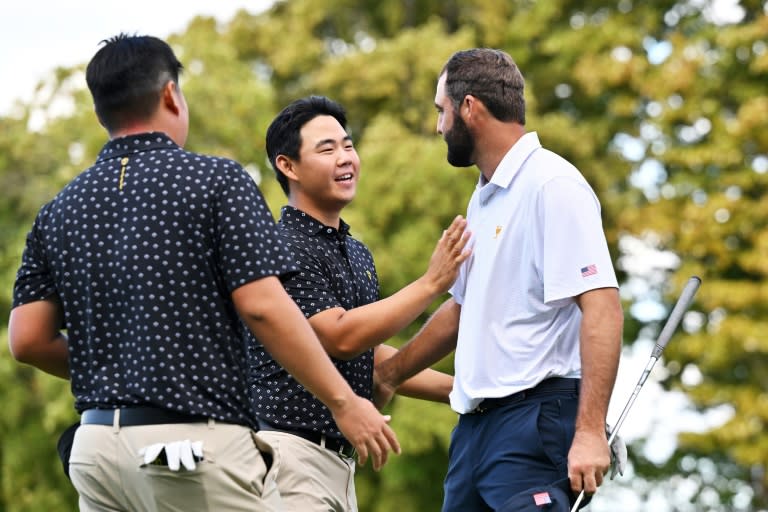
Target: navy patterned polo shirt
{"type": "Point", "coordinates": [144, 249]}
{"type": "Point", "coordinates": [335, 270]}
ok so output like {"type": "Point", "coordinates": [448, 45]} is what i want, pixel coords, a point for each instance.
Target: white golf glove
{"type": "Point", "coordinates": [618, 453]}
{"type": "Point", "coordinates": [174, 454]}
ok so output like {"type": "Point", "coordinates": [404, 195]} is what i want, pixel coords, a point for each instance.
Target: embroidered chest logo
{"type": "Point", "coordinates": [368, 273]}
{"type": "Point", "coordinates": [498, 231]}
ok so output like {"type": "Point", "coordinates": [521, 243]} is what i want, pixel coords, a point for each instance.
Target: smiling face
{"type": "Point", "coordinates": [323, 180]}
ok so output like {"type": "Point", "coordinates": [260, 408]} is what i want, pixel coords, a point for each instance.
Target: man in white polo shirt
{"type": "Point", "coordinates": [535, 316]}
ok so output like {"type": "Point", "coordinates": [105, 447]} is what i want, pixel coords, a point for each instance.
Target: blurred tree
{"type": "Point", "coordinates": [662, 105]}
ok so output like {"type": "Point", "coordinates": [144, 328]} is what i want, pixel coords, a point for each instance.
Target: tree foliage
{"type": "Point", "coordinates": [664, 110]}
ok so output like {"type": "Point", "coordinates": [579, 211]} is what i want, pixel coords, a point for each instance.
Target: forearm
{"type": "Point", "coordinates": [349, 333]}
{"type": "Point", "coordinates": [428, 384]}
{"type": "Point", "coordinates": [600, 335]}
{"type": "Point", "coordinates": [280, 326]}
{"type": "Point", "coordinates": [433, 342]}
{"type": "Point", "coordinates": [53, 358]}
{"type": "Point", "coordinates": [34, 337]}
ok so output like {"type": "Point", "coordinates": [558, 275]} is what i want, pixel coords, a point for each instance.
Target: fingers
{"type": "Point", "coordinates": [368, 431]}
{"type": "Point", "coordinates": [378, 447]}
{"type": "Point", "coordinates": [362, 453]}
{"type": "Point", "coordinates": [454, 232]}
{"type": "Point", "coordinates": [588, 482]}
{"type": "Point", "coordinates": [455, 239]}
{"type": "Point", "coordinates": [588, 461]}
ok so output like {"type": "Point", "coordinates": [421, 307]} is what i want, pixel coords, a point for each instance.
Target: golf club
{"type": "Point", "coordinates": [686, 297]}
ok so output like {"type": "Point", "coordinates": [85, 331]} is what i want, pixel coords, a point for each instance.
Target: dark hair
{"type": "Point", "coordinates": [127, 75]}
{"type": "Point", "coordinates": [489, 75]}
{"type": "Point", "coordinates": [284, 133]}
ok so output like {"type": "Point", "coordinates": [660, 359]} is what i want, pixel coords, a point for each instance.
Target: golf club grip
{"type": "Point", "coordinates": [686, 297]}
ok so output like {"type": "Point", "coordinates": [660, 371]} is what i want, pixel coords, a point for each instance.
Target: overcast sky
{"type": "Point", "coordinates": [36, 36]}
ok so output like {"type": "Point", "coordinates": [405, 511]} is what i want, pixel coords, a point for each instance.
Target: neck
{"type": "Point", "coordinates": [494, 144]}
{"type": "Point", "coordinates": [155, 124]}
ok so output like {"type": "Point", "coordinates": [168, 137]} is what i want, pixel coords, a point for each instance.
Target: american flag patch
{"type": "Point", "coordinates": [589, 270]}
{"type": "Point", "coordinates": [541, 498]}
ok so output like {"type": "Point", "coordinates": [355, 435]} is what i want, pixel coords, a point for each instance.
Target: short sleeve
{"type": "Point", "coordinates": [575, 251]}
{"type": "Point", "coordinates": [34, 279]}
{"type": "Point", "coordinates": [248, 244]}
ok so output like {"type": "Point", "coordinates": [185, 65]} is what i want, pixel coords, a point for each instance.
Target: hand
{"type": "Point", "coordinates": [382, 391]}
{"type": "Point", "coordinates": [588, 460]}
{"type": "Point", "coordinates": [448, 256]}
{"type": "Point", "coordinates": [367, 430]}
{"type": "Point", "coordinates": [383, 388]}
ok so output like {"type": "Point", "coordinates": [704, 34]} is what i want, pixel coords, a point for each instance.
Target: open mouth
{"type": "Point", "coordinates": [344, 177]}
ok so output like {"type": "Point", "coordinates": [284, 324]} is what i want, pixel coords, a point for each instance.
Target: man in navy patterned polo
{"type": "Point", "coordinates": [150, 259]}
{"type": "Point", "coordinates": [337, 290]}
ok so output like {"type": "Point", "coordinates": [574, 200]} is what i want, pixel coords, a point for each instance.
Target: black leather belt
{"type": "Point", "coordinates": [135, 416]}
{"type": "Point", "coordinates": [334, 444]}
{"type": "Point", "coordinates": [545, 387]}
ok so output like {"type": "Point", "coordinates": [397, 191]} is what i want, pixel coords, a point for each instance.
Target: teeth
{"type": "Point", "coordinates": [344, 177]}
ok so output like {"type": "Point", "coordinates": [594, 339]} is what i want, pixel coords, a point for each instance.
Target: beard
{"type": "Point", "coordinates": [461, 144]}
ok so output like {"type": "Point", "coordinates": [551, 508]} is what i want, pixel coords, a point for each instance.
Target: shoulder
{"type": "Point", "coordinates": [357, 245]}
{"type": "Point", "coordinates": [206, 161]}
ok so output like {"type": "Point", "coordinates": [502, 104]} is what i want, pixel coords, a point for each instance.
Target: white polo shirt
{"type": "Point", "coordinates": [538, 242]}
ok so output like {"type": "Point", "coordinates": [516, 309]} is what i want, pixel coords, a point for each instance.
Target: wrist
{"type": "Point", "coordinates": [387, 374]}
{"type": "Point", "coordinates": [430, 287]}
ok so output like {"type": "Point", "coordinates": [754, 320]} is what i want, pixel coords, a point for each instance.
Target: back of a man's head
{"type": "Point", "coordinates": [490, 75]}
{"type": "Point", "coordinates": [126, 78]}
{"type": "Point", "coordinates": [284, 133]}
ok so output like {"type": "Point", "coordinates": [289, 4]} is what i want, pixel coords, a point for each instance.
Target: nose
{"type": "Point", "coordinates": [346, 157]}
{"type": "Point", "coordinates": [439, 126]}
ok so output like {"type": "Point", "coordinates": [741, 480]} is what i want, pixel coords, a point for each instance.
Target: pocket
{"type": "Point", "coordinates": [552, 434]}
{"type": "Point", "coordinates": [91, 463]}
{"type": "Point", "coordinates": [270, 453]}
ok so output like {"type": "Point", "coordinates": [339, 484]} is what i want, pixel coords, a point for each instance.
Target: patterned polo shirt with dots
{"type": "Point", "coordinates": [335, 270]}
{"type": "Point", "coordinates": [144, 249]}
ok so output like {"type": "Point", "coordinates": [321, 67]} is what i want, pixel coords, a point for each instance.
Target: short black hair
{"type": "Point", "coordinates": [491, 76]}
{"type": "Point", "coordinates": [127, 75]}
{"type": "Point", "coordinates": [284, 133]}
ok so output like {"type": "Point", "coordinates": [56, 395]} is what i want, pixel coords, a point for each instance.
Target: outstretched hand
{"type": "Point", "coordinates": [368, 431]}
{"type": "Point", "coordinates": [450, 252]}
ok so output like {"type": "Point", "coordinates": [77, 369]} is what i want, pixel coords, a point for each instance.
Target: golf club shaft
{"type": "Point", "coordinates": [683, 303]}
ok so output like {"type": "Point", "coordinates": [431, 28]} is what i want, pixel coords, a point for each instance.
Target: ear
{"type": "Point", "coordinates": [286, 166]}
{"type": "Point", "coordinates": [468, 106]}
{"type": "Point", "coordinates": [170, 98]}
{"type": "Point", "coordinates": [472, 110]}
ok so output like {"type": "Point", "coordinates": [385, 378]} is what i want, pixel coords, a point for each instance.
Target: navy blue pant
{"type": "Point", "coordinates": [512, 447]}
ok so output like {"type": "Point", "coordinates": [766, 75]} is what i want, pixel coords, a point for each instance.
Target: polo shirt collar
{"type": "Point", "coordinates": [132, 144]}
{"type": "Point", "coordinates": [304, 222]}
{"type": "Point", "coordinates": [513, 161]}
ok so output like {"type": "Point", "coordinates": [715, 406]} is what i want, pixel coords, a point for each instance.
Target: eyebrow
{"type": "Point", "coordinates": [332, 141]}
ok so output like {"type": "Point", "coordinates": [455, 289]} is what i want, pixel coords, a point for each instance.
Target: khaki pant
{"type": "Point", "coordinates": [109, 474]}
{"type": "Point", "coordinates": [312, 478]}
